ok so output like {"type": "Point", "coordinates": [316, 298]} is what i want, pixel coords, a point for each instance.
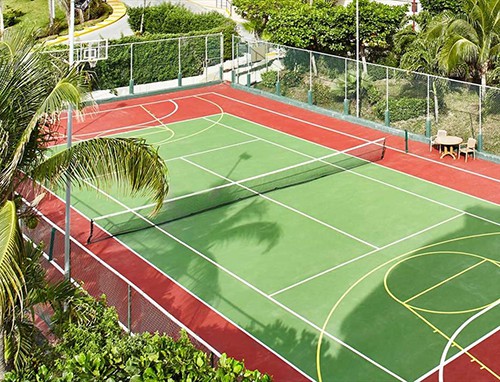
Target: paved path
{"type": "Point", "coordinates": [117, 25]}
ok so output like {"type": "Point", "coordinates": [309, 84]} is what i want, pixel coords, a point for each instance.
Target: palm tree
{"type": "Point", "coordinates": [33, 90]}
{"type": "Point", "coordinates": [422, 56]}
{"type": "Point", "coordinates": [472, 38]}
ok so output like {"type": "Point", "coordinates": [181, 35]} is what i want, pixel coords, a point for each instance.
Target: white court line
{"type": "Point", "coordinates": [136, 105]}
{"type": "Point", "coordinates": [161, 308]}
{"type": "Point", "coordinates": [460, 353]}
{"type": "Point", "coordinates": [284, 205]}
{"type": "Point", "coordinates": [252, 287]}
{"type": "Point", "coordinates": [375, 164]}
{"type": "Point", "coordinates": [378, 180]}
{"type": "Point", "coordinates": [212, 150]}
{"type": "Point", "coordinates": [363, 256]}
{"type": "Point", "coordinates": [353, 136]}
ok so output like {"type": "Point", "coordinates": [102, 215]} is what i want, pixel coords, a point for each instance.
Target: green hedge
{"type": "Point", "coordinates": [403, 108]}
{"type": "Point", "coordinates": [156, 51]}
{"type": "Point", "coordinates": [176, 20]}
{"type": "Point", "coordinates": [155, 58]}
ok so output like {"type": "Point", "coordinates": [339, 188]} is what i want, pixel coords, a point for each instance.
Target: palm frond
{"type": "Point", "coordinates": [129, 163]}
{"type": "Point", "coordinates": [11, 251]}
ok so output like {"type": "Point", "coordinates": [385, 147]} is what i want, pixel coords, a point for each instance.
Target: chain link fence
{"type": "Point", "coordinates": [408, 101]}
{"type": "Point", "coordinates": [136, 311]}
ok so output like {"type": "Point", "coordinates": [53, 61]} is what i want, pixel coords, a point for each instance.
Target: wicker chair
{"type": "Point", "coordinates": [468, 148]}
{"type": "Point", "coordinates": [440, 133]}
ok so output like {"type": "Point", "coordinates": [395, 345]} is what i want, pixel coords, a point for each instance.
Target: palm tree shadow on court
{"type": "Point", "coordinates": [398, 337]}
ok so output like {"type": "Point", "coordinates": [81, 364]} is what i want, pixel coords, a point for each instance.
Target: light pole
{"type": "Point", "coordinates": [67, 223]}
{"type": "Point", "coordinates": [357, 58]}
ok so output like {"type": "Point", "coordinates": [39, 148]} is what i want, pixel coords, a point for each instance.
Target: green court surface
{"type": "Point", "coordinates": [363, 275]}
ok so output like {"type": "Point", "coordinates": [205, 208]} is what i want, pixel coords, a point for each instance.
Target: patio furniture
{"type": "Point", "coordinates": [440, 133]}
{"type": "Point", "coordinates": [448, 142]}
{"type": "Point", "coordinates": [468, 148]}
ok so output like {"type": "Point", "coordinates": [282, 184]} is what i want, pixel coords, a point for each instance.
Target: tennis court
{"type": "Point", "coordinates": [308, 239]}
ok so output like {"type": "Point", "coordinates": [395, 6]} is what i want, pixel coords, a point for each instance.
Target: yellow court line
{"type": "Point", "coordinates": [395, 298]}
{"type": "Point", "coordinates": [162, 125]}
{"type": "Point", "coordinates": [221, 115]}
{"type": "Point", "coordinates": [445, 281]}
{"type": "Point", "coordinates": [436, 330]}
{"type": "Point", "coordinates": [334, 308]}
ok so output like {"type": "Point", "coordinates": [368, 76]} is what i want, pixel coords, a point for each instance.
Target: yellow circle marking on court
{"type": "Point", "coordinates": [214, 123]}
{"type": "Point", "coordinates": [421, 309]}
{"type": "Point", "coordinates": [329, 316]}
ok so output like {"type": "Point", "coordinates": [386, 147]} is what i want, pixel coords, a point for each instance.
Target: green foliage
{"type": "Point", "coordinates": [436, 7]}
{"type": "Point", "coordinates": [269, 78]}
{"type": "Point", "coordinates": [97, 349]}
{"type": "Point", "coordinates": [402, 109]}
{"type": "Point", "coordinates": [292, 78]}
{"type": "Point", "coordinates": [155, 59]}
{"type": "Point", "coordinates": [331, 29]}
{"type": "Point", "coordinates": [322, 94]}
{"type": "Point", "coordinates": [11, 16]}
{"type": "Point", "coordinates": [259, 12]}
{"type": "Point", "coordinates": [170, 18]}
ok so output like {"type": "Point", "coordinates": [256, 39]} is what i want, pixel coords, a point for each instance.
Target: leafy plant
{"type": "Point", "coordinates": [269, 78]}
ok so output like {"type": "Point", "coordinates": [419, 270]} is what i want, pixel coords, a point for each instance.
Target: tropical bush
{"type": "Point", "coordinates": [269, 78]}
{"type": "Point", "coordinates": [92, 346]}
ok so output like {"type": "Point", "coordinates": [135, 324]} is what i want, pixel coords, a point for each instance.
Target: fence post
{"type": "Point", "coordinates": [480, 132]}
{"type": "Point", "coordinates": [278, 85]}
{"type": "Point", "coordinates": [179, 74]}
{"type": "Point", "coordinates": [249, 63]}
{"type": "Point", "coordinates": [428, 119]}
{"type": "Point", "coordinates": [387, 113]}
{"type": "Point", "coordinates": [309, 92]}
{"type": "Point", "coordinates": [346, 100]}
{"type": "Point", "coordinates": [233, 77]}
{"type": "Point", "coordinates": [129, 308]}
{"type": "Point", "coordinates": [206, 58]}
{"type": "Point", "coordinates": [131, 82]}
{"type": "Point", "coordinates": [221, 70]}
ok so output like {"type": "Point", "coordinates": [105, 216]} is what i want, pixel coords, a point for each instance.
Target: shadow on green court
{"type": "Point", "coordinates": [403, 324]}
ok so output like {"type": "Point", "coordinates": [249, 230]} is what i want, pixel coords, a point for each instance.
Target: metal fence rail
{"type": "Point", "coordinates": [136, 310]}
{"type": "Point", "coordinates": [409, 101]}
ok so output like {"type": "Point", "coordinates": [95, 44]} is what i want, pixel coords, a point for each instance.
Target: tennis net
{"type": "Point", "coordinates": [139, 218]}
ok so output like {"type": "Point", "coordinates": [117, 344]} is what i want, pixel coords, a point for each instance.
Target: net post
{"type": "Point", "coordinates": [51, 244]}
{"type": "Point", "coordinates": [406, 141]}
{"type": "Point", "coordinates": [89, 239]}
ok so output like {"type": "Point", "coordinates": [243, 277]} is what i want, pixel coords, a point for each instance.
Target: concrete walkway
{"type": "Point", "coordinates": [116, 25]}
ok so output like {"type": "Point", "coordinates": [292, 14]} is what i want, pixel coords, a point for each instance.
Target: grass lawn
{"type": "Point", "coordinates": [36, 13]}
